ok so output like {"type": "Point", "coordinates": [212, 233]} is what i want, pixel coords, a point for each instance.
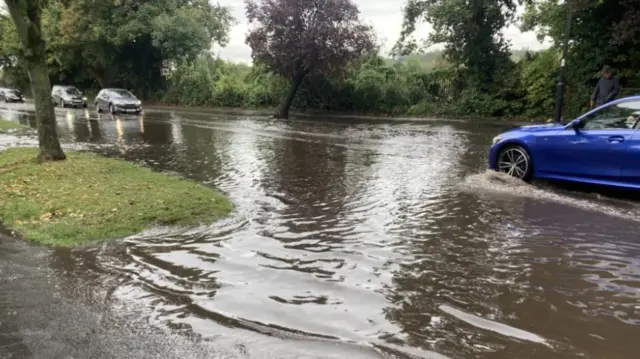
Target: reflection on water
{"type": "Point", "coordinates": [374, 235]}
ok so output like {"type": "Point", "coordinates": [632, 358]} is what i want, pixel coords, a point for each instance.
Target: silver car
{"type": "Point", "coordinates": [117, 101]}
{"type": "Point", "coordinates": [68, 96]}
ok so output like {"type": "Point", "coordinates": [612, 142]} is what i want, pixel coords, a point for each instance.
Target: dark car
{"type": "Point", "coordinates": [117, 101]}
{"type": "Point", "coordinates": [67, 96]}
{"type": "Point", "coordinates": [11, 95]}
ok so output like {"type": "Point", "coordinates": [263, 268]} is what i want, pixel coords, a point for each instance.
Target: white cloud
{"type": "Point", "coordinates": [384, 16]}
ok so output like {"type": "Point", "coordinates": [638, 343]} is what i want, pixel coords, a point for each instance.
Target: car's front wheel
{"type": "Point", "coordinates": [516, 162]}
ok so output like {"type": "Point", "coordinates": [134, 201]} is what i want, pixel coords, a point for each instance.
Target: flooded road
{"type": "Point", "coordinates": [351, 239]}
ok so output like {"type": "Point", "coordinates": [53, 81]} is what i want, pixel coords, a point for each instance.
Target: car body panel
{"type": "Point", "coordinates": [631, 161]}
{"type": "Point", "coordinates": [605, 155]}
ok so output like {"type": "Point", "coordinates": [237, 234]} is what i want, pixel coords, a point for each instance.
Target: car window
{"type": "Point", "coordinates": [619, 116]}
{"type": "Point", "coordinates": [72, 91]}
{"type": "Point", "coordinates": [123, 93]}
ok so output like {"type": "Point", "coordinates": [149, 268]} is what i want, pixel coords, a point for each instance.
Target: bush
{"type": "Point", "coordinates": [411, 86]}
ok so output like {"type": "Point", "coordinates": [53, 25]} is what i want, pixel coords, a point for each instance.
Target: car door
{"type": "Point", "coordinates": [631, 158]}
{"type": "Point", "coordinates": [596, 150]}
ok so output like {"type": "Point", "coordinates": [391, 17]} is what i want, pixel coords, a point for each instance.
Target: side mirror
{"type": "Point", "coordinates": [574, 124]}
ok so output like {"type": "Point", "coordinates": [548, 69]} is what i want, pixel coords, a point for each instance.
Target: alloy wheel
{"type": "Point", "coordinates": [514, 162]}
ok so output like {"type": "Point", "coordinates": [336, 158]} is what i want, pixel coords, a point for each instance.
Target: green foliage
{"type": "Point", "coordinates": [602, 33]}
{"type": "Point", "coordinates": [469, 30]}
{"type": "Point", "coordinates": [95, 44]}
{"type": "Point", "coordinates": [538, 76]}
{"type": "Point", "coordinates": [415, 85]}
{"type": "Point", "coordinates": [124, 43]}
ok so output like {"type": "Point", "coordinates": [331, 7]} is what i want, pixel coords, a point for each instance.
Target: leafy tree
{"type": "Point", "coordinates": [469, 29]}
{"type": "Point", "coordinates": [603, 32]}
{"type": "Point", "coordinates": [296, 37]}
{"type": "Point", "coordinates": [27, 17]}
{"type": "Point", "coordinates": [124, 43]}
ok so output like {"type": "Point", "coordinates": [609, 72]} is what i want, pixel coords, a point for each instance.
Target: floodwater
{"type": "Point", "coordinates": [351, 239]}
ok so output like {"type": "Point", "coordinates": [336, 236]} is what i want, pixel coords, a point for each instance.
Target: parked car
{"type": "Point", "coordinates": [11, 95]}
{"type": "Point", "coordinates": [600, 147]}
{"type": "Point", "coordinates": [117, 101]}
{"type": "Point", "coordinates": [64, 96]}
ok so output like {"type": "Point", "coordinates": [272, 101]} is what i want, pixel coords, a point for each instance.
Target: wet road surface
{"type": "Point", "coordinates": [358, 239]}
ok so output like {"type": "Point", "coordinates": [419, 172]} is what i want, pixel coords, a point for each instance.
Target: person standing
{"type": "Point", "coordinates": [607, 88]}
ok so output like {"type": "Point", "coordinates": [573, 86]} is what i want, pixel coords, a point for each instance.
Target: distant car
{"type": "Point", "coordinates": [117, 101]}
{"type": "Point", "coordinates": [600, 147]}
{"type": "Point", "coordinates": [11, 95]}
{"type": "Point", "coordinates": [64, 96]}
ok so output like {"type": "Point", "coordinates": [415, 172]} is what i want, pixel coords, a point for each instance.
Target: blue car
{"type": "Point", "coordinates": [600, 147]}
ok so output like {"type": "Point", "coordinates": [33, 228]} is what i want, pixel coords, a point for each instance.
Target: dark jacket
{"type": "Point", "coordinates": [606, 90]}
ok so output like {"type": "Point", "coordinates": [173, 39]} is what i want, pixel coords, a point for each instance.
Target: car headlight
{"type": "Point", "coordinates": [496, 140]}
{"type": "Point", "coordinates": [138, 103]}
{"type": "Point", "coordinates": [84, 98]}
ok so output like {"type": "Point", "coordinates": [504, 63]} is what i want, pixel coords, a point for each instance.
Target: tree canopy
{"type": "Point", "coordinates": [469, 29]}
{"type": "Point", "coordinates": [296, 37]}
{"type": "Point", "coordinates": [124, 42]}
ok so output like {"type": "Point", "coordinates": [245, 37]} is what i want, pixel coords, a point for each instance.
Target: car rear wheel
{"type": "Point", "coordinates": [516, 162]}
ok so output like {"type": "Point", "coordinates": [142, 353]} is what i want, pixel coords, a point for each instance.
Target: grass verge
{"type": "Point", "coordinates": [89, 197]}
{"type": "Point", "coordinates": [10, 126]}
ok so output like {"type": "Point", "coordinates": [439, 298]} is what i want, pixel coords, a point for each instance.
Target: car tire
{"type": "Point", "coordinates": [98, 109]}
{"type": "Point", "coordinates": [112, 109]}
{"type": "Point", "coordinates": [62, 104]}
{"type": "Point", "coordinates": [515, 161]}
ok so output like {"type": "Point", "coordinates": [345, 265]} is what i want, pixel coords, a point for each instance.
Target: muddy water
{"type": "Point", "coordinates": [361, 239]}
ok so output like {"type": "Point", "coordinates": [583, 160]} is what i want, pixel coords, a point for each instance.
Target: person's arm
{"type": "Point", "coordinates": [615, 91]}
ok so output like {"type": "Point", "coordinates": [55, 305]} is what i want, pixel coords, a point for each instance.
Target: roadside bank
{"type": "Point", "coordinates": [89, 197]}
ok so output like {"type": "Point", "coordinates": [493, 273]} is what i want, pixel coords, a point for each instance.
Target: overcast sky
{"type": "Point", "coordinates": [385, 16]}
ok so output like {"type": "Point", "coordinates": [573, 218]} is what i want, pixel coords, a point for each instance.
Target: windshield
{"type": "Point", "coordinates": [13, 92]}
{"type": "Point", "coordinates": [122, 93]}
{"type": "Point", "coordinates": [72, 91]}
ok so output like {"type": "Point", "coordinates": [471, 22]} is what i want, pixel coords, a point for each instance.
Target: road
{"type": "Point", "coordinates": [356, 238]}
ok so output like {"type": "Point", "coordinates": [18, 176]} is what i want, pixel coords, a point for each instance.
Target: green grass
{"type": "Point", "coordinates": [8, 126]}
{"type": "Point", "coordinates": [89, 197]}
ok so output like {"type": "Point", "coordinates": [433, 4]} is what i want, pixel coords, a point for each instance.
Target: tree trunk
{"type": "Point", "coordinates": [26, 15]}
{"type": "Point", "coordinates": [285, 104]}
